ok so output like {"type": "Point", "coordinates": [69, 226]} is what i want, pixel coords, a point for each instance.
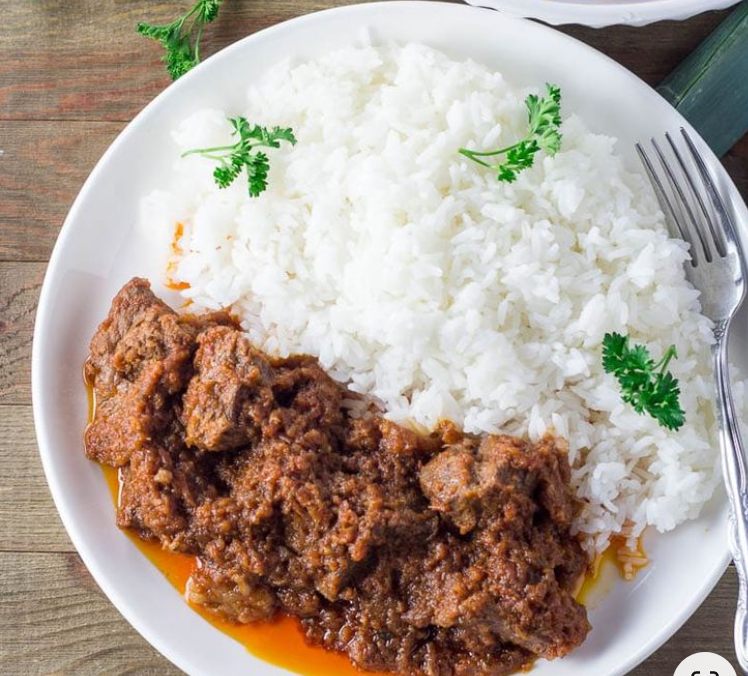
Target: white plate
{"type": "Point", "coordinates": [600, 13]}
{"type": "Point", "coordinates": [99, 249]}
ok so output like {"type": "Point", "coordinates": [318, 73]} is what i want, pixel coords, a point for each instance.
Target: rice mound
{"type": "Point", "coordinates": [421, 281]}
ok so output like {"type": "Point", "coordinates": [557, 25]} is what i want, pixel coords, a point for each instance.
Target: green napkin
{"type": "Point", "coordinates": [710, 88]}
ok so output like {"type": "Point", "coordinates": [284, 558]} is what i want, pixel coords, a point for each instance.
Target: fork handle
{"type": "Point", "coordinates": [734, 469]}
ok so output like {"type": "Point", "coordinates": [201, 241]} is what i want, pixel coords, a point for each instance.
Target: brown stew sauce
{"type": "Point", "coordinates": [280, 641]}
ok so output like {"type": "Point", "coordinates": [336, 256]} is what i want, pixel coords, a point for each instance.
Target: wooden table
{"type": "Point", "coordinates": [72, 74]}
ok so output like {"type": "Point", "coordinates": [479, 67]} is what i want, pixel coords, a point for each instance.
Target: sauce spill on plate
{"type": "Point", "coordinates": [171, 268]}
{"type": "Point", "coordinates": [618, 562]}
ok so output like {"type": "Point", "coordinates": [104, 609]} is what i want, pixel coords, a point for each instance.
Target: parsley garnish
{"type": "Point", "coordinates": [545, 119]}
{"type": "Point", "coordinates": [644, 384]}
{"type": "Point", "coordinates": [182, 52]}
{"type": "Point", "coordinates": [241, 155]}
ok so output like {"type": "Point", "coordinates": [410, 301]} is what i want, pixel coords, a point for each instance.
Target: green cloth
{"type": "Point", "coordinates": [710, 88]}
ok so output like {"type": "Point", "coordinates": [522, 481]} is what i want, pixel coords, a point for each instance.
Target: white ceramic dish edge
{"type": "Point", "coordinates": [603, 13]}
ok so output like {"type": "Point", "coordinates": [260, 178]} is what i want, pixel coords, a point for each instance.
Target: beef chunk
{"type": "Point", "coordinates": [140, 359]}
{"type": "Point", "coordinates": [138, 355]}
{"type": "Point", "coordinates": [230, 397]}
{"type": "Point", "coordinates": [307, 398]}
{"type": "Point", "coordinates": [450, 484]}
{"type": "Point", "coordinates": [135, 303]}
{"type": "Point", "coordinates": [513, 495]}
{"type": "Point", "coordinates": [160, 489]}
{"type": "Point", "coordinates": [236, 389]}
{"type": "Point", "coordinates": [225, 586]}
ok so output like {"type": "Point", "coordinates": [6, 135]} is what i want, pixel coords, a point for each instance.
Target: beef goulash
{"type": "Point", "coordinates": [435, 555]}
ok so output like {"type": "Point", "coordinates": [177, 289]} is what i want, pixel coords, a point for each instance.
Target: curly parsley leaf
{"type": "Point", "coordinates": [244, 154]}
{"type": "Point", "coordinates": [645, 384]}
{"type": "Point", "coordinates": [181, 37]}
{"type": "Point", "coordinates": [208, 10]}
{"type": "Point", "coordinates": [544, 118]}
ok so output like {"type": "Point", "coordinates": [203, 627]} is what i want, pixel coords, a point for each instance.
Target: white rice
{"type": "Point", "coordinates": [420, 280]}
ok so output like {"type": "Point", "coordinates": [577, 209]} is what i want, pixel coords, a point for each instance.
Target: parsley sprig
{"type": "Point", "coordinates": [544, 116]}
{"type": "Point", "coordinates": [182, 49]}
{"type": "Point", "coordinates": [243, 154]}
{"type": "Point", "coordinates": [645, 384]}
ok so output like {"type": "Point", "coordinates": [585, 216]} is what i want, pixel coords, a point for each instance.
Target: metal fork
{"type": "Point", "coordinates": [696, 213]}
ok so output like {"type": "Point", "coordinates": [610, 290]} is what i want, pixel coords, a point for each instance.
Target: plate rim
{"type": "Point", "coordinates": [45, 444]}
{"type": "Point", "coordinates": [604, 13]}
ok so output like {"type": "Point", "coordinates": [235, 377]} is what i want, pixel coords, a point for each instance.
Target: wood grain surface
{"type": "Point", "coordinates": [72, 73]}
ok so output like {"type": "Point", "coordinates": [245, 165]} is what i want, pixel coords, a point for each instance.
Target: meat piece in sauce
{"type": "Point", "coordinates": [161, 487]}
{"type": "Point", "coordinates": [511, 494]}
{"type": "Point", "coordinates": [140, 361]}
{"type": "Point", "coordinates": [440, 555]}
{"type": "Point", "coordinates": [230, 397]}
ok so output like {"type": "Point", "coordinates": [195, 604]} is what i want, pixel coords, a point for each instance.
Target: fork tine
{"type": "Point", "coordinates": [723, 216]}
{"type": "Point", "coordinates": [682, 203]}
{"type": "Point", "coordinates": [662, 197]}
{"type": "Point", "coordinates": [718, 240]}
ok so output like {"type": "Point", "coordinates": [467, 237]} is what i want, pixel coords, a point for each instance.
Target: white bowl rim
{"type": "Point", "coordinates": [603, 13]}
{"type": "Point", "coordinates": [45, 442]}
